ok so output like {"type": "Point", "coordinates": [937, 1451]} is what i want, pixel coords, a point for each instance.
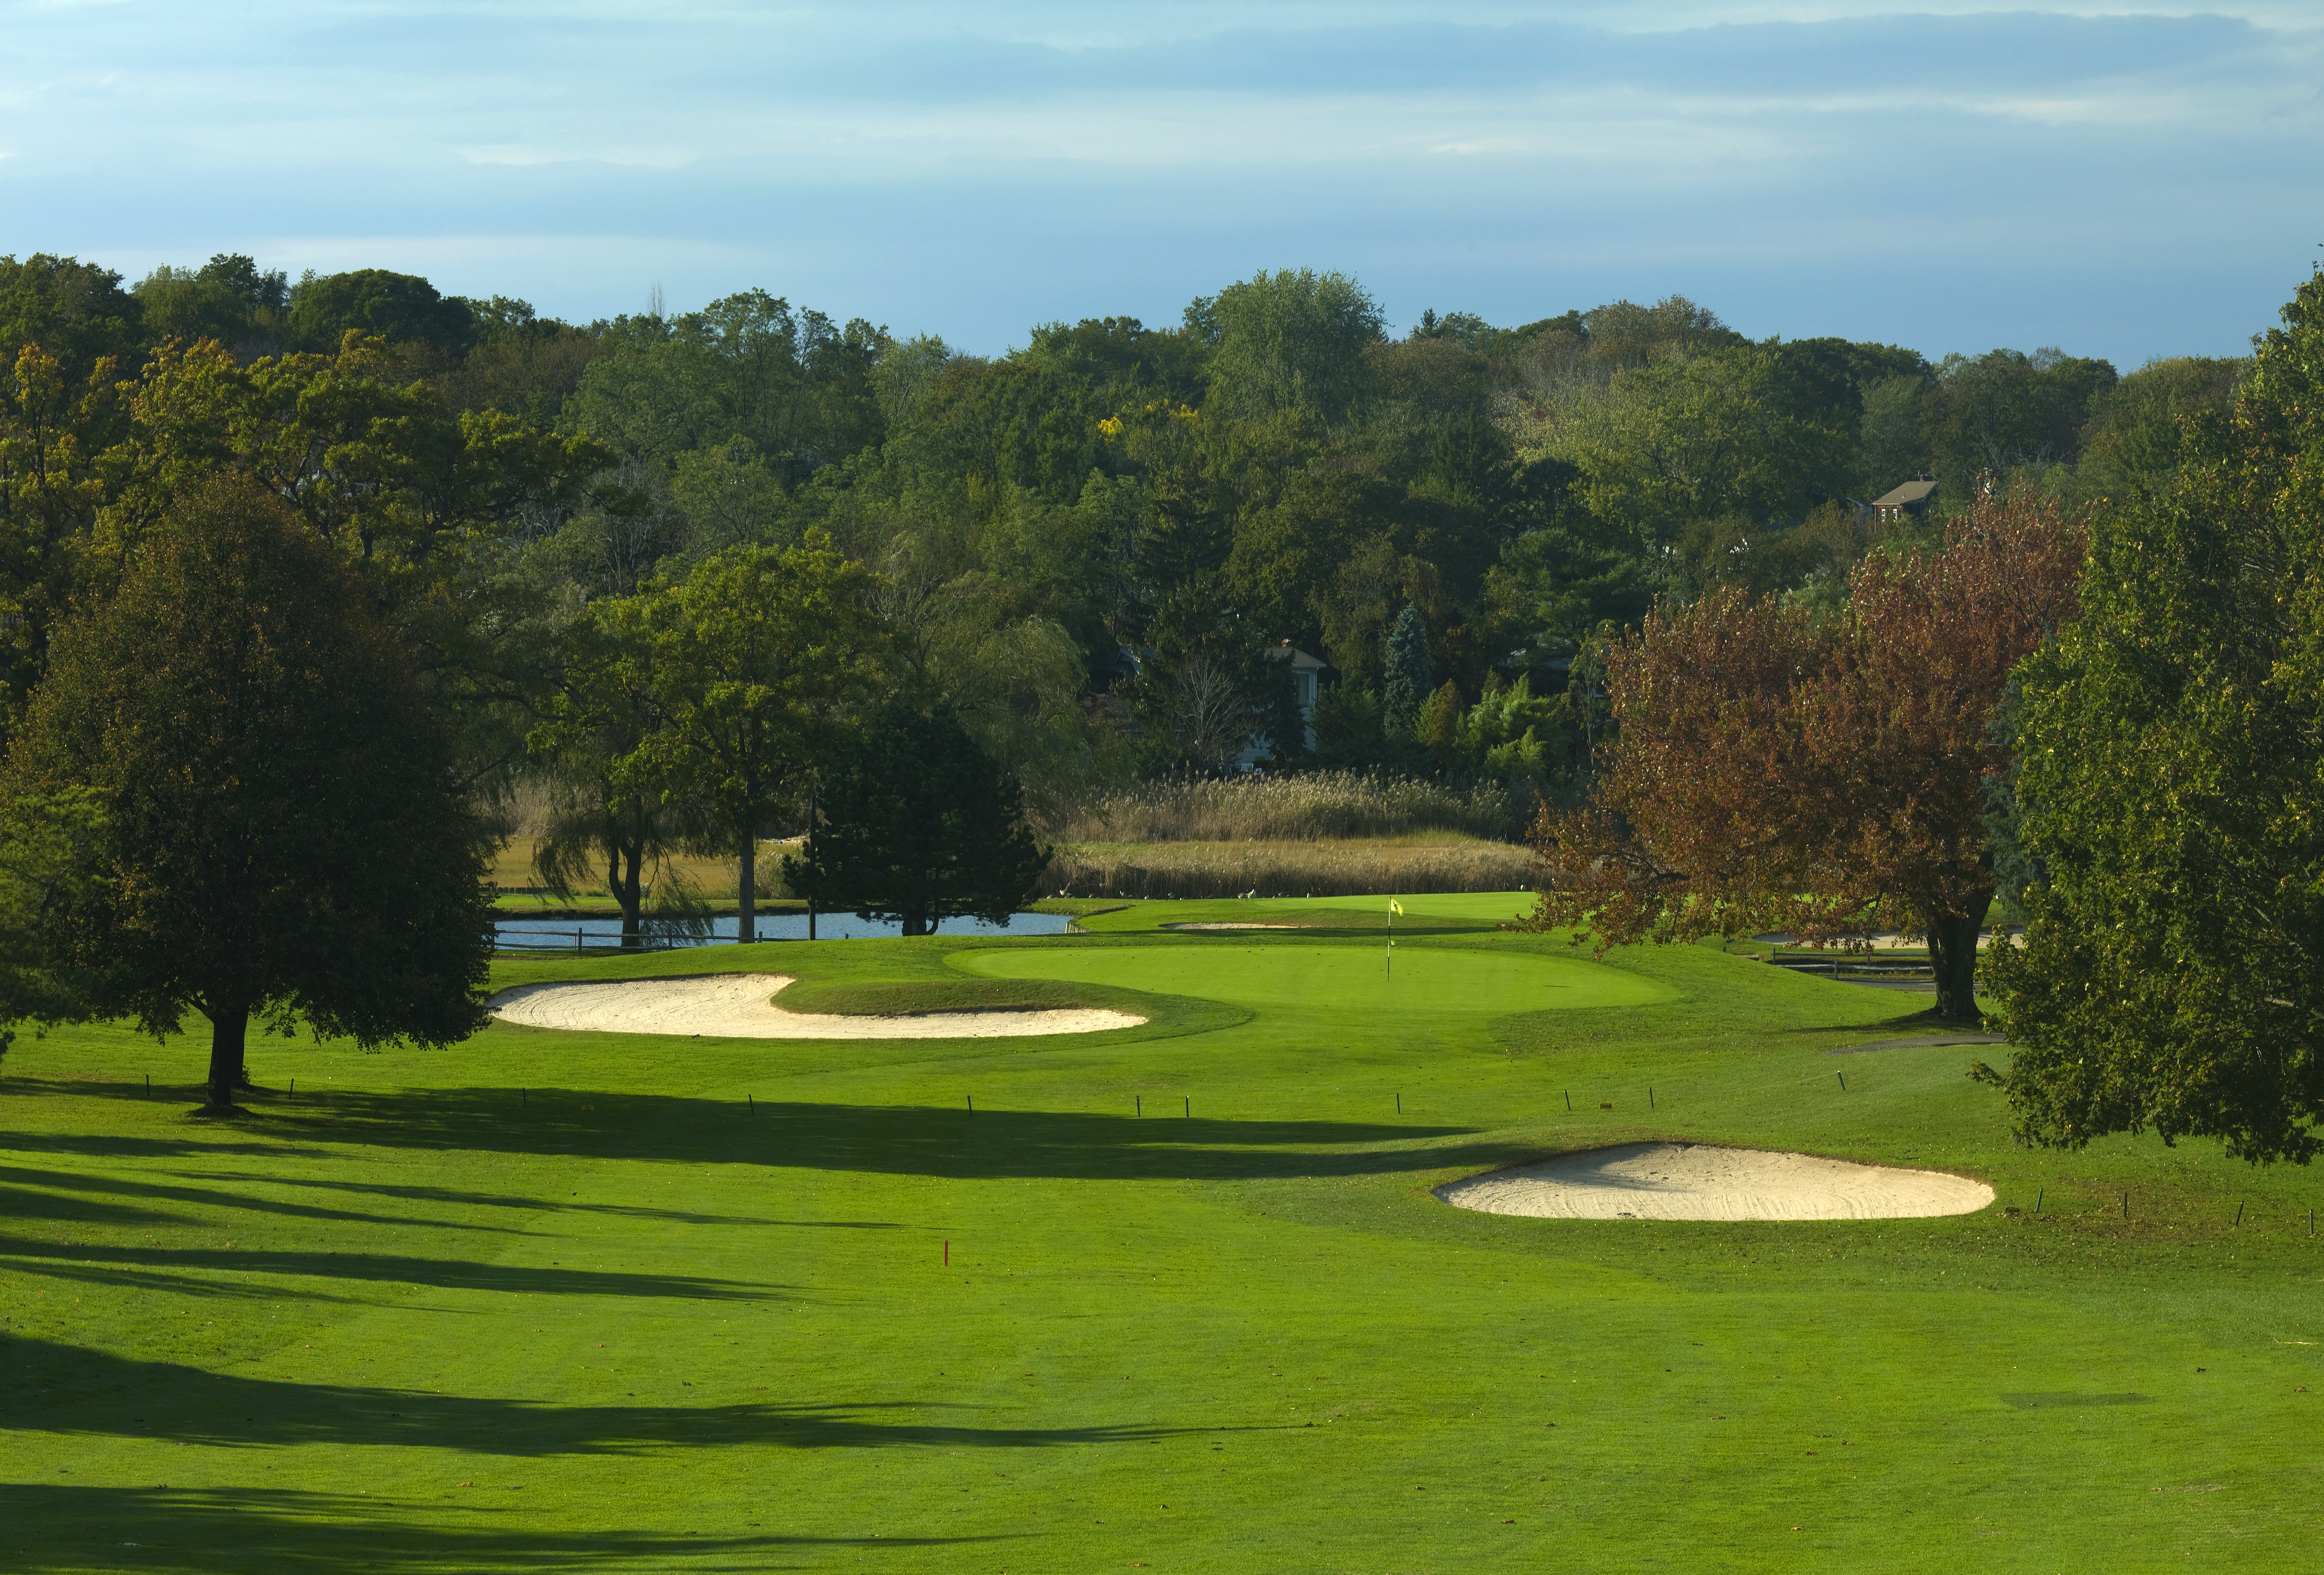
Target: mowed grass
{"type": "Point", "coordinates": [593, 1302]}
{"type": "Point", "coordinates": [1437, 989]}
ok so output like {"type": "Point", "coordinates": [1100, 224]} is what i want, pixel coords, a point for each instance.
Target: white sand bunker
{"type": "Point", "coordinates": [741, 1006]}
{"type": "Point", "coordinates": [1671, 1181]}
{"type": "Point", "coordinates": [1230, 924]}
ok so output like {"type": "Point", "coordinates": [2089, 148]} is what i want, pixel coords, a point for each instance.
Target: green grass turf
{"type": "Point", "coordinates": [588, 1302]}
{"type": "Point", "coordinates": [1435, 989]}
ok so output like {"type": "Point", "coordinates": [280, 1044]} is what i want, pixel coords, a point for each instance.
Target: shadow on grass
{"type": "Point", "coordinates": [234, 1530]}
{"type": "Point", "coordinates": [29, 1195]}
{"type": "Point", "coordinates": [891, 1139]}
{"type": "Point", "coordinates": [82, 1391]}
{"type": "Point", "coordinates": [196, 1270]}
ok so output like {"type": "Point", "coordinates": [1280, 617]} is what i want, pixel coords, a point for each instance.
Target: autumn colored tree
{"type": "Point", "coordinates": [1773, 772]}
{"type": "Point", "coordinates": [271, 827]}
{"type": "Point", "coordinates": [2171, 807]}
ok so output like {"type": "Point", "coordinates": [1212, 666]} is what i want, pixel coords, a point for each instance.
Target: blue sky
{"type": "Point", "coordinates": [2124, 181]}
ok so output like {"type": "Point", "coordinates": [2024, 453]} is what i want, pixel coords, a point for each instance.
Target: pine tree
{"type": "Point", "coordinates": [1409, 680]}
{"type": "Point", "coordinates": [918, 824]}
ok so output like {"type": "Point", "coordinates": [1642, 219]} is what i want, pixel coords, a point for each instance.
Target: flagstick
{"type": "Point", "coordinates": [1391, 937]}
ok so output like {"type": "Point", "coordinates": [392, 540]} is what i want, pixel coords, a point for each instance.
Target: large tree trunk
{"type": "Point", "coordinates": [229, 1027]}
{"type": "Point", "coordinates": [1953, 957]}
{"type": "Point", "coordinates": [745, 920]}
{"type": "Point", "coordinates": [914, 924]}
{"type": "Point", "coordinates": [628, 890]}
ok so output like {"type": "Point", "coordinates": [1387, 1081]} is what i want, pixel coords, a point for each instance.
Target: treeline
{"type": "Point", "coordinates": [1091, 548]}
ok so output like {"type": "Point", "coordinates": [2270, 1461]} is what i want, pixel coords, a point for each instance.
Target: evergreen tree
{"type": "Point", "coordinates": [1409, 681]}
{"type": "Point", "coordinates": [282, 835]}
{"type": "Point", "coordinates": [917, 825]}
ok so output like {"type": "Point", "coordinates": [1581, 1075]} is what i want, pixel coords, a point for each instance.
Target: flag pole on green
{"type": "Point", "coordinates": [1394, 908]}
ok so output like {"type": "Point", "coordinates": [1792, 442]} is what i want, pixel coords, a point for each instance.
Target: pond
{"type": "Point", "coordinates": [543, 934]}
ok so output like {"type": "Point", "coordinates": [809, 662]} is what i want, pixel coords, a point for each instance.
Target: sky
{"type": "Point", "coordinates": [2126, 181]}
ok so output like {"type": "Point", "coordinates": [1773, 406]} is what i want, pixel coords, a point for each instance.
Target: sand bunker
{"type": "Point", "coordinates": [1671, 1181]}
{"type": "Point", "coordinates": [1230, 924]}
{"type": "Point", "coordinates": [741, 1006]}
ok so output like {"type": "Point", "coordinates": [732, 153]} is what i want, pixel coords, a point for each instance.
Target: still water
{"type": "Point", "coordinates": [543, 934]}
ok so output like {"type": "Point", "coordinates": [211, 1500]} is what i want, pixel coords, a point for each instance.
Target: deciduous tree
{"type": "Point", "coordinates": [2171, 799]}
{"type": "Point", "coordinates": [1774, 773]}
{"type": "Point", "coordinates": [749, 667]}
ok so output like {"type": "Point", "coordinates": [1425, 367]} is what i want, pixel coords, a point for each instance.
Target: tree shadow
{"type": "Point", "coordinates": [232, 1530]}
{"type": "Point", "coordinates": [893, 1139]}
{"type": "Point", "coordinates": [26, 1193]}
{"type": "Point", "coordinates": [37, 1197]}
{"type": "Point", "coordinates": [172, 1403]}
{"type": "Point", "coordinates": [152, 1267]}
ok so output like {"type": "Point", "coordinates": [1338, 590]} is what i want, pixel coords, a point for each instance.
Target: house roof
{"type": "Point", "coordinates": [1911, 492]}
{"type": "Point", "coordinates": [1301, 662]}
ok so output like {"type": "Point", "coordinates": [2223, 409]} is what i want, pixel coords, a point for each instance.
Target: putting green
{"type": "Point", "coordinates": [1491, 907]}
{"type": "Point", "coordinates": [1274, 975]}
{"type": "Point", "coordinates": [1457, 909]}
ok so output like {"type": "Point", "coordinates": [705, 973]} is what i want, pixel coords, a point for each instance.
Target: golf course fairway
{"type": "Point", "coordinates": [1174, 1297]}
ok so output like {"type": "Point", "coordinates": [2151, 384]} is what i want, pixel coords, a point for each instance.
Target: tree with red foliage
{"type": "Point", "coordinates": [1826, 780]}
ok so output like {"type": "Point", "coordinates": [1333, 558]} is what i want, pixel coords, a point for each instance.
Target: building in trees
{"type": "Point", "coordinates": [1306, 677]}
{"type": "Point", "coordinates": [1906, 500]}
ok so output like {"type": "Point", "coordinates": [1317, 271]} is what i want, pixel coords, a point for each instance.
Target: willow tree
{"type": "Point", "coordinates": [275, 829]}
{"type": "Point", "coordinates": [1825, 778]}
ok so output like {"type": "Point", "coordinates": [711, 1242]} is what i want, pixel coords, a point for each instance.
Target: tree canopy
{"type": "Point", "coordinates": [915, 824]}
{"type": "Point", "coordinates": [282, 832]}
{"type": "Point", "coordinates": [748, 671]}
{"type": "Point", "coordinates": [2171, 972]}
{"type": "Point", "coordinates": [1775, 772]}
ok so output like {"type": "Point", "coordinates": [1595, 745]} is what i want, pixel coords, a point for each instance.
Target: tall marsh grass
{"type": "Point", "coordinates": [1311, 807]}
{"type": "Point", "coordinates": [1344, 868]}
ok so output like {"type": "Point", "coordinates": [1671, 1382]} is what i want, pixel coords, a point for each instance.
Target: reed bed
{"type": "Point", "coordinates": [1302, 868]}
{"type": "Point", "coordinates": [1303, 808]}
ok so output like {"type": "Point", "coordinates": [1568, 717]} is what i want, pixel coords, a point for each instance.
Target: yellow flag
{"type": "Point", "coordinates": [1394, 906]}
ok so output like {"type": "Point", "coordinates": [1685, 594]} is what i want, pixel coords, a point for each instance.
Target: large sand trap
{"type": "Point", "coordinates": [1671, 1181]}
{"type": "Point", "coordinates": [741, 1006]}
{"type": "Point", "coordinates": [1230, 924]}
